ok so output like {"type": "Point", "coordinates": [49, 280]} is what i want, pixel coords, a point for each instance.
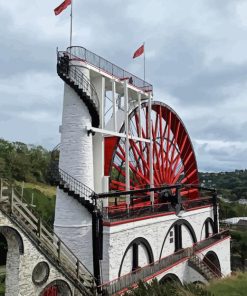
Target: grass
{"type": "Point", "coordinates": [45, 189]}
{"type": "Point", "coordinates": [43, 198]}
{"type": "Point", "coordinates": [236, 285]}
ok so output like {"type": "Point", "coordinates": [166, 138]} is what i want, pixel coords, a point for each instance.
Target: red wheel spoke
{"type": "Point", "coordinates": [173, 155]}
{"type": "Point", "coordinates": [174, 148]}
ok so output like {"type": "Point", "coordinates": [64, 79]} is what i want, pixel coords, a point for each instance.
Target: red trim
{"type": "Point", "coordinates": [171, 266]}
{"type": "Point", "coordinates": [150, 217]}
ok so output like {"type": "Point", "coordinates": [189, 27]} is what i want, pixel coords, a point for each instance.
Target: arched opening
{"type": "Point", "coordinates": [168, 278]}
{"type": "Point", "coordinates": [207, 228]}
{"type": "Point", "coordinates": [212, 260]}
{"type": "Point", "coordinates": [11, 249]}
{"type": "Point", "coordinates": [181, 235]}
{"type": "Point", "coordinates": [138, 253]}
{"type": "Point", "coordinates": [3, 260]}
{"type": "Point", "coordinates": [57, 288]}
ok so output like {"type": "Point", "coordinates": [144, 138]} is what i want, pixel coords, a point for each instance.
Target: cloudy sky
{"type": "Point", "coordinates": [196, 52]}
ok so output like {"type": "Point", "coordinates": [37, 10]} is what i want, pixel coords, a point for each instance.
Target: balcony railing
{"type": "Point", "coordinates": [133, 278]}
{"type": "Point", "coordinates": [108, 67]}
{"type": "Point", "coordinates": [112, 214]}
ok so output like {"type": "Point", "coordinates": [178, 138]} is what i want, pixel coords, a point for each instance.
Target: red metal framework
{"type": "Point", "coordinates": [174, 159]}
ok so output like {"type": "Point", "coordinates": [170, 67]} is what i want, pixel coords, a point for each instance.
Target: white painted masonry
{"type": "Point", "coordinates": [73, 223]}
{"type": "Point", "coordinates": [118, 237]}
{"type": "Point", "coordinates": [19, 268]}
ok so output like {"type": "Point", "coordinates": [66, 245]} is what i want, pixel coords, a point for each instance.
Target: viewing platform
{"type": "Point", "coordinates": [102, 65]}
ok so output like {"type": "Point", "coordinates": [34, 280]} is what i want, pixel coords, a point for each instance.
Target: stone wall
{"type": "Point", "coordinates": [19, 267]}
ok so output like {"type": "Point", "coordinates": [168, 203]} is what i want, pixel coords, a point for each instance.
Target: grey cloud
{"type": "Point", "coordinates": [186, 59]}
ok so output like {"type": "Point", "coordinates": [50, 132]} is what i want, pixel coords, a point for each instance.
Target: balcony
{"type": "Point", "coordinates": [141, 206]}
{"type": "Point", "coordinates": [144, 273]}
{"type": "Point", "coordinates": [102, 64]}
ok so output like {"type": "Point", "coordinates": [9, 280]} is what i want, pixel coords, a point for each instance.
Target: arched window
{"type": "Point", "coordinates": [178, 242]}
{"type": "Point", "coordinates": [137, 254]}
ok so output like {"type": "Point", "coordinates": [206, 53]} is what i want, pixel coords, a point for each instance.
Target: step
{"type": "Point", "coordinates": [4, 199]}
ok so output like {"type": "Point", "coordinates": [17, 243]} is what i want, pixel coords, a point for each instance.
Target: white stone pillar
{"type": "Point", "coordinates": [139, 115]}
{"type": "Point", "coordinates": [114, 106]}
{"type": "Point", "coordinates": [98, 138]}
{"type": "Point", "coordinates": [126, 110]}
{"type": "Point", "coordinates": [73, 222]}
{"type": "Point", "coordinates": [150, 134]}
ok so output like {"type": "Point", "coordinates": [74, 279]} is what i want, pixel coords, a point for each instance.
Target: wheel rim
{"type": "Point", "coordinates": [174, 159]}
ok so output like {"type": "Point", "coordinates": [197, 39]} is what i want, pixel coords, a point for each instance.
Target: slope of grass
{"type": "Point", "coordinates": [236, 285]}
{"type": "Point", "coordinates": [42, 198]}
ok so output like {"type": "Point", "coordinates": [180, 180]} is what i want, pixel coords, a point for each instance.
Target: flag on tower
{"type": "Point", "coordinates": [139, 51]}
{"type": "Point", "coordinates": [62, 6]}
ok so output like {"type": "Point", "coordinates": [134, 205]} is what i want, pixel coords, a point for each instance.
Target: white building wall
{"type": "Point", "coordinates": [223, 253]}
{"type": "Point", "coordinates": [24, 266]}
{"type": "Point", "coordinates": [127, 263]}
{"type": "Point", "coordinates": [186, 237]}
{"type": "Point", "coordinates": [118, 237]}
{"type": "Point", "coordinates": [143, 255]}
{"type": "Point", "coordinates": [73, 223]}
{"type": "Point", "coordinates": [187, 274]}
{"type": "Point", "coordinates": [169, 245]}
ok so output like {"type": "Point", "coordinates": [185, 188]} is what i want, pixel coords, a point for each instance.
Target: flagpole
{"type": "Point", "coordinates": [71, 25]}
{"type": "Point", "coordinates": [144, 64]}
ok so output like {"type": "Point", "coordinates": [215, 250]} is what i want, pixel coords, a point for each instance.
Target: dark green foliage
{"type": "Point", "coordinates": [23, 162]}
{"type": "Point", "coordinates": [232, 185]}
{"type": "Point", "coordinates": [168, 289]}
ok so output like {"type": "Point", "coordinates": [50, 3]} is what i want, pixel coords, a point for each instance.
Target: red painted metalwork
{"type": "Point", "coordinates": [51, 291]}
{"type": "Point", "coordinates": [173, 155]}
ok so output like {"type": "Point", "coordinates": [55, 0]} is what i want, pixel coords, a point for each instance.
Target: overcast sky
{"type": "Point", "coordinates": [196, 52]}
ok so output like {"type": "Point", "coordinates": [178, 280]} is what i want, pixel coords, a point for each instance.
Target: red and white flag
{"type": "Point", "coordinates": [139, 51]}
{"type": "Point", "coordinates": [62, 6]}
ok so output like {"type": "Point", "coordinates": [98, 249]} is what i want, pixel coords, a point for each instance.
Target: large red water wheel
{"type": "Point", "coordinates": [174, 160]}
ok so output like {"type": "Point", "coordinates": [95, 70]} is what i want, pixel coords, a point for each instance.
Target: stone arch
{"type": "Point", "coordinates": [170, 277]}
{"type": "Point", "coordinates": [178, 224]}
{"type": "Point", "coordinates": [57, 287]}
{"type": "Point", "coordinates": [208, 222]}
{"type": "Point", "coordinates": [15, 250]}
{"type": "Point", "coordinates": [134, 245]}
{"type": "Point", "coordinates": [3, 250]}
{"type": "Point", "coordinates": [213, 262]}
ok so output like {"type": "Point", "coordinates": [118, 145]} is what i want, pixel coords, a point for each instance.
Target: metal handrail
{"type": "Point", "coordinates": [78, 78]}
{"type": "Point", "coordinates": [108, 67]}
{"type": "Point", "coordinates": [218, 272]}
{"type": "Point", "coordinates": [73, 184]}
{"type": "Point", "coordinates": [112, 214]}
{"type": "Point", "coordinates": [29, 219]}
{"type": "Point", "coordinates": [132, 278]}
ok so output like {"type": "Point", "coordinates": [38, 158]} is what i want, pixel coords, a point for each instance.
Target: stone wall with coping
{"type": "Point", "coordinates": [19, 268]}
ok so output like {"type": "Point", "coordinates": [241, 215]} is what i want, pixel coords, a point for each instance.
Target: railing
{"type": "Point", "coordinates": [112, 214]}
{"type": "Point", "coordinates": [43, 235]}
{"type": "Point", "coordinates": [108, 67]}
{"type": "Point", "coordinates": [73, 184]}
{"type": "Point", "coordinates": [78, 77]}
{"type": "Point", "coordinates": [132, 278]}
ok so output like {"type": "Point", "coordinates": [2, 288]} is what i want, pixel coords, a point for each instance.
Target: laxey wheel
{"type": "Point", "coordinates": [174, 160]}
